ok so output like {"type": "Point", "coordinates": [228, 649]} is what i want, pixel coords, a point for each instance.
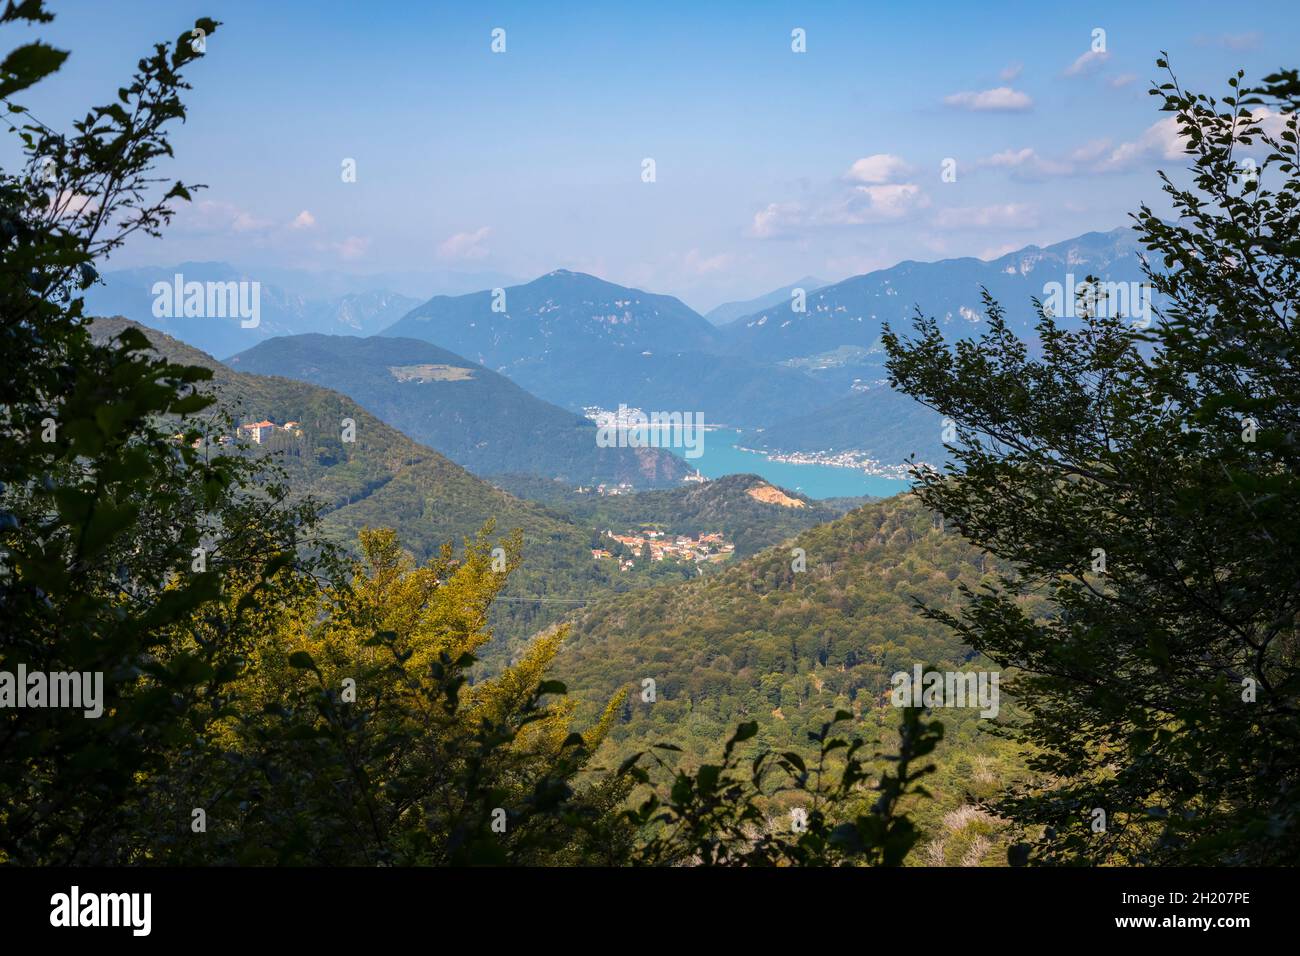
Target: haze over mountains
{"type": "Point", "coordinates": [293, 301]}
{"type": "Point", "coordinates": [853, 312]}
{"type": "Point", "coordinates": [452, 390]}
{"type": "Point", "coordinates": [730, 311]}
{"type": "Point", "coordinates": [128, 293]}
{"type": "Point", "coordinates": [536, 354]}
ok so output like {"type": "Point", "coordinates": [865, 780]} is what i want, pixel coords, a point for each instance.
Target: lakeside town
{"type": "Point", "coordinates": [636, 421]}
{"type": "Point", "coordinates": [857, 460]}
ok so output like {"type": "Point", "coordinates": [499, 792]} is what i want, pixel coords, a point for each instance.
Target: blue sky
{"type": "Point", "coordinates": [769, 164]}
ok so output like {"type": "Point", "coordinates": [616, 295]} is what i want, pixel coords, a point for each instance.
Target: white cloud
{"type": "Point", "coordinates": [872, 190]}
{"type": "Point", "coordinates": [878, 203]}
{"type": "Point", "coordinates": [1089, 152]}
{"type": "Point", "coordinates": [1123, 80]}
{"type": "Point", "coordinates": [1011, 72]}
{"type": "Point", "coordinates": [213, 217]}
{"type": "Point", "coordinates": [1241, 41]}
{"type": "Point", "coordinates": [1000, 216]}
{"type": "Point", "coordinates": [465, 245]}
{"type": "Point", "coordinates": [247, 222]}
{"type": "Point", "coordinates": [1011, 157]}
{"type": "Point", "coordinates": [877, 168]}
{"type": "Point", "coordinates": [997, 252]}
{"type": "Point", "coordinates": [304, 220]}
{"type": "Point", "coordinates": [1087, 63]}
{"type": "Point", "coordinates": [855, 206]}
{"type": "Point", "coordinates": [72, 205]}
{"type": "Point", "coordinates": [1270, 122]}
{"type": "Point", "coordinates": [1161, 140]}
{"type": "Point", "coordinates": [353, 247]}
{"type": "Point", "coordinates": [1000, 99]}
{"type": "Point", "coordinates": [775, 220]}
{"type": "Point", "coordinates": [1026, 165]}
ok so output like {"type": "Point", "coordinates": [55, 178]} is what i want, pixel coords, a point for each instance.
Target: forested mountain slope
{"type": "Point", "coordinates": [384, 479]}
{"type": "Point", "coordinates": [476, 417]}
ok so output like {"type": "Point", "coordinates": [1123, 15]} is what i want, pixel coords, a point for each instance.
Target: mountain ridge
{"type": "Point", "coordinates": [729, 311]}
{"type": "Point", "coordinates": [851, 312]}
{"type": "Point", "coordinates": [478, 418]}
{"type": "Point", "coordinates": [383, 478]}
{"type": "Point", "coordinates": [580, 341]}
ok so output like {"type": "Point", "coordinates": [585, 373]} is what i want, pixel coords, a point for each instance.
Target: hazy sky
{"type": "Point", "coordinates": [769, 164]}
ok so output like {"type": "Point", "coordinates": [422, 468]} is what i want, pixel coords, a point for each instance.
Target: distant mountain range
{"type": "Point", "coordinates": [729, 311]}
{"type": "Point", "coordinates": [476, 417]}
{"type": "Point", "coordinates": [852, 312]}
{"type": "Point", "coordinates": [837, 340]}
{"type": "Point", "coordinates": [560, 310]}
{"type": "Point", "coordinates": [795, 381]}
{"type": "Point", "coordinates": [129, 293]}
{"type": "Point", "coordinates": [579, 341]}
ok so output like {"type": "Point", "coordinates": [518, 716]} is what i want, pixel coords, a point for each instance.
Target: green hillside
{"type": "Point", "coordinates": [476, 417]}
{"type": "Point", "coordinates": [881, 423]}
{"type": "Point", "coordinates": [762, 642]}
{"type": "Point", "coordinates": [384, 479]}
{"type": "Point", "coordinates": [747, 510]}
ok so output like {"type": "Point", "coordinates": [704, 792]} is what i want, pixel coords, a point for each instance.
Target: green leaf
{"type": "Point", "coordinates": [28, 65]}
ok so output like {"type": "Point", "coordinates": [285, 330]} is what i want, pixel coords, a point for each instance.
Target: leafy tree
{"type": "Point", "coordinates": [100, 509]}
{"type": "Point", "coordinates": [1146, 480]}
{"type": "Point", "coordinates": [368, 744]}
{"type": "Point", "coordinates": [721, 814]}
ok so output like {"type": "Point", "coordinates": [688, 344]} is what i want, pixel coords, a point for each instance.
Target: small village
{"type": "Point", "coordinates": [661, 546]}
{"type": "Point", "coordinates": [256, 432]}
{"type": "Point", "coordinates": [622, 488]}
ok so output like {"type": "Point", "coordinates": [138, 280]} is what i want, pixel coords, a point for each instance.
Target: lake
{"type": "Point", "coordinates": [722, 457]}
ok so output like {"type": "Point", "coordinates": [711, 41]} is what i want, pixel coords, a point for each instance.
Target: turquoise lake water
{"type": "Point", "coordinates": [722, 457]}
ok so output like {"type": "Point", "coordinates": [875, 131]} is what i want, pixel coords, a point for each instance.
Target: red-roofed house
{"type": "Point", "coordinates": [258, 430]}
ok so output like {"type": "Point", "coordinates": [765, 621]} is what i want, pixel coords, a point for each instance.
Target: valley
{"type": "Point", "coordinates": [476, 417]}
{"type": "Point", "coordinates": [771, 571]}
{"type": "Point", "coordinates": [805, 390]}
{"type": "Point", "coordinates": [616, 437]}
